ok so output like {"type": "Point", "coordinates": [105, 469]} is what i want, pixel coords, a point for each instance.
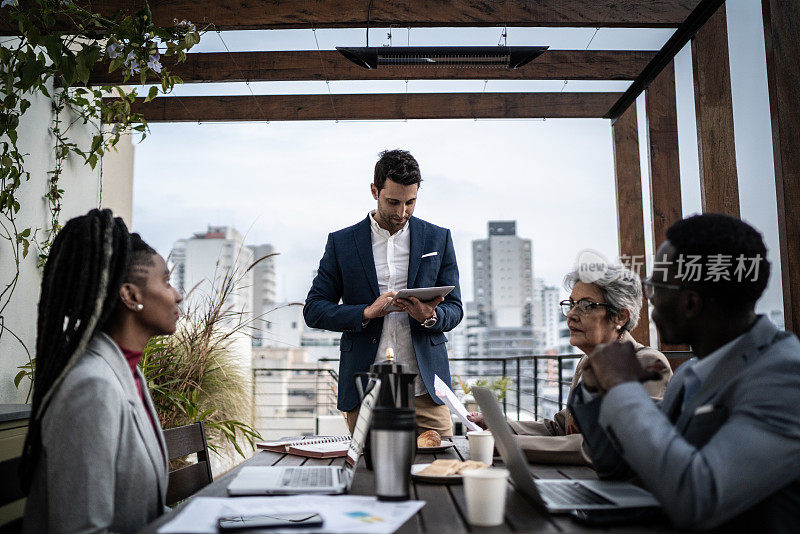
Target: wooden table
{"type": "Point", "coordinates": [445, 508]}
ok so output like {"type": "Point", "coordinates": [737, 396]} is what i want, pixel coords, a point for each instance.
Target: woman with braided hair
{"type": "Point", "coordinates": [95, 458]}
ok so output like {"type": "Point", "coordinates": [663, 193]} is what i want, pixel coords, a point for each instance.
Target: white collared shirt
{"type": "Point", "coordinates": [391, 253]}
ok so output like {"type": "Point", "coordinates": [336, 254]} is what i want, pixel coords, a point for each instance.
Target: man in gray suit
{"type": "Point", "coordinates": [723, 447]}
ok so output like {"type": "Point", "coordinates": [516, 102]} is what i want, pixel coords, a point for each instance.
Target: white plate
{"type": "Point", "coordinates": [448, 479]}
{"type": "Point", "coordinates": [443, 447]}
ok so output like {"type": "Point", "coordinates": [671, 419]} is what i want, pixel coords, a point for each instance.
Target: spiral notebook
{"type": "Point", "coordinates": [321, 447]}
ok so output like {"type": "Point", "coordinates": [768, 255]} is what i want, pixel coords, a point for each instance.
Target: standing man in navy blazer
{"type": "Point", "coordinates": [363, 267]}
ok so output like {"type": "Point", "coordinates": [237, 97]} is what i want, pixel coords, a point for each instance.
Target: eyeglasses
{"type": "Point", "coordinates": [584, 306]}
{"type": "Point", "coordinates": [649, 287]}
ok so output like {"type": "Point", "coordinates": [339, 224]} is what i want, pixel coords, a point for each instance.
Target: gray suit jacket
{"type": "Point", "coordinates": [103, 467]}
{"type": "Point", "coordinates": [731, 456]}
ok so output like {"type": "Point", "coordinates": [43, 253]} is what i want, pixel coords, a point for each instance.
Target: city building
{"type": "Point", "coordinates": [264, 284]}
{"type": "Point", "coordinates": [500, 337]}
{"type": "Point", "coordinates": [292, 397]}
{"type": "Point", "coordinates": [502, 266]}
{"type": "Point", "coordinates": [203, 266]}
{"type": "Point", "coordinates": [546, 315]}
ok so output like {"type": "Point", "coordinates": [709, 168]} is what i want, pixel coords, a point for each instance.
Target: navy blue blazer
{"type": "Point", "coordinates": [346, 283]}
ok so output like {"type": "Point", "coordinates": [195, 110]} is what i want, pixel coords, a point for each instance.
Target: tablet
{"type": "Point", "coordinates": [422, 293]}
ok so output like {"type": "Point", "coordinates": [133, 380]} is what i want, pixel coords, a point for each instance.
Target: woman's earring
{"type": "Point", "coordinates": [619, 327]}
{"type": "Point", "coordinates": [140, 306]}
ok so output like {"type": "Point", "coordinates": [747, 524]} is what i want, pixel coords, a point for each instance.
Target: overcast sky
{"type": "Point", "coordinates": [291, 183]}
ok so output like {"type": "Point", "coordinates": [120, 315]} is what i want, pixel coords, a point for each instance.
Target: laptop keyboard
{"type": "Point", "coordinates": [307, 477]}
{"type": "Point", "coordinates": [570, 493]}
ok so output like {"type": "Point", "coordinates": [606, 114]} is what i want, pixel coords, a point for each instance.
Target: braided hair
{"type": "Point", "coordinates": [90, 259]}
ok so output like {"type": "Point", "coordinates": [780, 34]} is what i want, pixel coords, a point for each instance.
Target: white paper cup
{"type": "Point", "coordinates": [485, 491]}
{"type": "Point", "coordinates": [481, 446]}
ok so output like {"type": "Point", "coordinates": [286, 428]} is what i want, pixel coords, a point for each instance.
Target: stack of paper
{"type": "Point", "coordinates": [342, 443]}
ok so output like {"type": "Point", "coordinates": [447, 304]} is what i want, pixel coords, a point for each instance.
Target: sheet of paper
{"type": "Point", "coordinates": [344, 514]}
{"type": "Point", "coordinates": [444, 392]}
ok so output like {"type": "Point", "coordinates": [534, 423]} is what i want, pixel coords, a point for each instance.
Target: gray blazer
{"type": "Point", "coordinates": [731, 458]}
{"type": "Point", "coordinates": [103, 467]}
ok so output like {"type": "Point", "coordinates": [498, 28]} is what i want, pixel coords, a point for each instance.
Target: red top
{"type": "Point", "coordinates": [133, 358]}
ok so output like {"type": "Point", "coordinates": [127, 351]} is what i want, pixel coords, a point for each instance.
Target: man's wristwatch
{"type": "Point", "coordinates": [430, 321]}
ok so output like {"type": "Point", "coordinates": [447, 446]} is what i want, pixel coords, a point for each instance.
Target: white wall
{"type": "Point", "coordinates": [82, 193]}
{"type": "Point", "coordinates": [117, 193]}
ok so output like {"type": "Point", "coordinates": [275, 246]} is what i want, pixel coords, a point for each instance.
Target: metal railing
{"type": "Point", "coordinates": [525, 384]}
{"type": "Point", "coordinates": [293, 400]}
{"type": "Point", "coordinates": [290, 400]}
{"type": "Point", "coordinates": [530, 387]}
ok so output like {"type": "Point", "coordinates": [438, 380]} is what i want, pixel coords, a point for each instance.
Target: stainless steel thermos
{"type": "Point", "coordinates": [393, 445]}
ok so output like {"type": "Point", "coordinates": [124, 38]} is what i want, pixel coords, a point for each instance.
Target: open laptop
{"type": "Point", "coordinates": [330, 479]}
{"type": "Point", "coordinates": [556, 496]}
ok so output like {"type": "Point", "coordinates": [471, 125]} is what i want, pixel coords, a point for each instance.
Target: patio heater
{"type": "Point", "coordinates": [489, 57]}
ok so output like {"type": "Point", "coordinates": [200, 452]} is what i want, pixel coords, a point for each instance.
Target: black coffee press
{"type": "Point", "coordinates": [396, 390]}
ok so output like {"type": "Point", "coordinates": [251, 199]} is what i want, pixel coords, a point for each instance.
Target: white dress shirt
{"type": "Point", "coordinates": [390, 253]}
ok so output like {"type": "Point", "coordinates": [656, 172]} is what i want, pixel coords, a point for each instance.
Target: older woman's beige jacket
{"type": "Point", "coordinates": [556, 441]}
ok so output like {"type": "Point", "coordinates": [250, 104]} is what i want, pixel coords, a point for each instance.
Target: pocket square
{"type": "Point", "coordinates": [429, 254]}
{"type": "Point", "coordinates": [706, 408]}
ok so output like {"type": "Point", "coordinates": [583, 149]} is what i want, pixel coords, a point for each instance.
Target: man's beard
{"type": "Point", "coordinates": [390, 223]}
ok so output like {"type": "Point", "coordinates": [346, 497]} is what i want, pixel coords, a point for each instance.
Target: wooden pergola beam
{"type": "Point", "coordinates": [375, 107]}
{"type": "Point", "coordinates": [664, 161]}
{"type": "Point", "coordinates": [663, 156]}
{"type": "Point", "coordinates": [331, 65]}
{"type": "Point", "coordinates": [782, 39]}
{"type": "Point", "coordinates": [686, 31]}
{"type": "Point", "coordinates": [719, 186]}
{"type": "Point", "coordinates": [630, 217]}
{"type": "Point", "coordinates": [293, 14]}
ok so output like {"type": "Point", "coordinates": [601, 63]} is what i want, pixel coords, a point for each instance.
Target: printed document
{"type": "Point", "coordinates": [444, 392]}
{"type": "Point", "coordinates": [345, 514]}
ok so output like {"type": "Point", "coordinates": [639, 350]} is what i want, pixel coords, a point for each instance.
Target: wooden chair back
{"type": "Point", "coordinates": [186, 481]}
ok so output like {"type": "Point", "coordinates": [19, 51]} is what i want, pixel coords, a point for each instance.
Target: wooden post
{"type": "Point", "coordinates": [663, 157]}
{"type": "Point", "coordinates": [719, 187]}
{"type": "Point", "coordinates": [630, 218]}
{"type": "Point", "coordinates": [782, 38]}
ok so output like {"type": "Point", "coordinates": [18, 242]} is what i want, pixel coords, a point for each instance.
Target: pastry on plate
{"type": "Point", "coordinates": [431, 438]}
{"type": "Point", "coordinates": [471, 464]}
{"type": "Point", "coordinates": [441, 468]}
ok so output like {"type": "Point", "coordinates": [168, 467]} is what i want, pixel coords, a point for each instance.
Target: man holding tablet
{"type": "Point", "coordinates": [359, 274]}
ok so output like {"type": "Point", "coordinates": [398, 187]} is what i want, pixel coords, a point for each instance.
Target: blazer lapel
{"type": "Point", "coordinates": [673, 396]}
{"type": "Point", "coordinates": [363, 239]}
{"type": "Point", "coordinates": [417, 229]}
{"type": "Point", "coordinates": [150, 410]}
{"type": "Point", "coordinates": [738, 356]}
{"type": "Point", "coordinates": [152, 444]}
{"type": "Point", "coordinates": [152, 439]}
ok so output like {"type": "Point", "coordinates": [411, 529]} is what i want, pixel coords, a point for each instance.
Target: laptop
{"type": "Point", "coordinates": [329, 479]}
{"type": "Point", "coordinates": [556, 496]}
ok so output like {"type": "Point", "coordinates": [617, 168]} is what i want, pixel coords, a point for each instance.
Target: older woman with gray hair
{"type": "Point", "coordinates": [602, 308]}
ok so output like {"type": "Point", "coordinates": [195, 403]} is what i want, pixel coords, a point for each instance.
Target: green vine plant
{"type": "Point", "coordinates": [57, 46]}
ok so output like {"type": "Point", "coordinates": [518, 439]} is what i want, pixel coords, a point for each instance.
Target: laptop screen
{"type": "Point", "coordinates": [362, 427]}
{"type": "Point", "coordinates": [512, 455]}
